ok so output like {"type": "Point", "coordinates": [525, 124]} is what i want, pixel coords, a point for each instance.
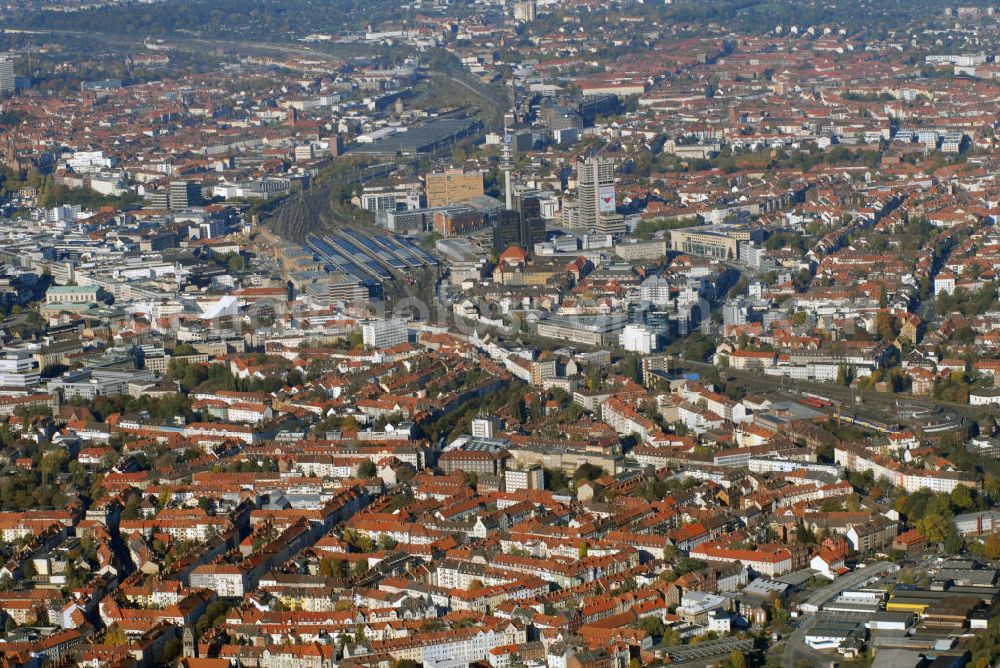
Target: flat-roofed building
{"type": "Point", "coordinates": [719, 242]}
{"type": "Point", "coordinates": [380, 334]}
{"type": "Point", "coordinates": [453, 185]}
{"type": "Point", "coordinates": [592, 331]}
{"type": "Point", "coordinates": [71, 294]}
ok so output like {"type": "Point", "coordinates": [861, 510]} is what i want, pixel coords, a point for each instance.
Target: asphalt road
{"type": "Point", "coordinates": [797, 652]}
{"type": "Point", "coordinates": [294, 48]}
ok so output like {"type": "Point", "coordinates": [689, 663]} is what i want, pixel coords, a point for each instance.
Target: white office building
{"type": "Point", "coordinates": [638, 339]}
{"type": "Point", "coordinates": [18, 370]}
{"type": "Point", "coordinates": [485, 427]}
{"type": "Point", "coordinates": [656, 290]}
{"type": "Point", "coordinates": [516, 480]}
{"type": "Point", "coordinates": [89, 161]}
{"type": "Point", "coordinates": [381, 334]}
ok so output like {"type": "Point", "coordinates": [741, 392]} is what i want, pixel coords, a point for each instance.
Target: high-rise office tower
{"type": "Point", "coordinates": [184, 194]}
{"type": "Point", "coordinates": [522, 226]}
{"type": "Point", "coordinates": [595, 197]}
{"type": "Point", "coordinates": [7, 83]}
{"type": "Point", "coordinates": [507, 230]}
{"type": "Point", "coordinates": [532, 225]}
{"type": "Point", "coordinates": [525, 12]}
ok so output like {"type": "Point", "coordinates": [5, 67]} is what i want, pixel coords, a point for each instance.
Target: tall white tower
{"type": "Point", "coordinates": [507, 165]}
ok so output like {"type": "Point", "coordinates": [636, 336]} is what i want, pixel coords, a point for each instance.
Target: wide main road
{"type": "Point", "coordinates": [293, 48]}
{"type": "Point", "coordinates": [849, 398]}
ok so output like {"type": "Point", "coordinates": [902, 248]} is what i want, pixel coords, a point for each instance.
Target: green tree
{"type": "Point", "coordinates": [333, 567]}
{"type": "Point", "coordinates": [236, 263]}
{"type": "Point", "coordinates": [961, 498]}
{"type": "Point", "coordinates": [779, 616]}
{"type": "Point", "coordinates": [672, 638]}
{"type": "Point", "coordinates": [115, 636]}
{"type": "Point", "coordinates": [631, 368]}
{"type": "Point", "coordinates": [736, 660]}
{"type": "Point", "coordinates": [952, 543]}
{"type": "Point", "coordinates": [516, 406]}
{"type": "Point", "coordinates": [652, 625]}
{"type": "Point", "coordinates": [214, 613]}
{"type": "Point", "coordinates": [555, 480]}
{"type": "Point", "coordinates": [886, 326]}
{"type": "Point", "coordinates": [587, 471]}
{"type": "Point", "coordinates": [131, 509]}
{"type": "Point", "coordinates": [404, 663]}
{"type": "Point", "coordinates": [170, 651]}
{"type": "Point", "coordinates": [991, 547]}
{"type": "Point", "coordinates": [360, 541]}
{"type": "Point", "coordinates": [991, 485]}
{"type": "Point", "coordinates": [592, 378]}
{"type": "Point", "coordinates": [934, 527]}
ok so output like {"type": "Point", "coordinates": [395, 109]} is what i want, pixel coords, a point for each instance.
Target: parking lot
{"type": "Point", "coordinates": [708, 649]}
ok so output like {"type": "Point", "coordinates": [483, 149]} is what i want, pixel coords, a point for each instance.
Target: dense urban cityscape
{"type": "Point", "coordinates": [499, 333]}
